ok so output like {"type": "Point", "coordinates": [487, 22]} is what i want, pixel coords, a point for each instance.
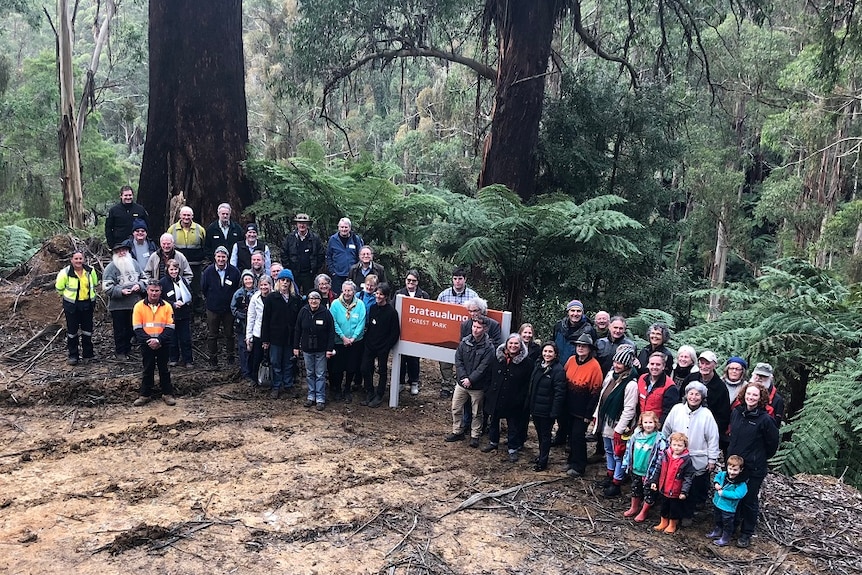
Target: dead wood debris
{"type": "Point", "coordinates": [156, 537]}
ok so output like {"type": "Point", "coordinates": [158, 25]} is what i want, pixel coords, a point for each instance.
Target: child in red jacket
{"type": "Point", "coordinates": [673, 479]}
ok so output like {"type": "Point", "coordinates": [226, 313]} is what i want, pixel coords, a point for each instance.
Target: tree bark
{"type": "Point", "coordinates": [197, 126]}
{"type": "Point", "coordinates": [525, 29]}
{"type": "Point", "coordinates": [73, 197]}
{"type": "Point", "coordinates": [88, 98]}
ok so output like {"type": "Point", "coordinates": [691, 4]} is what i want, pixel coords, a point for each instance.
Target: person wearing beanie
{"type": "Point", "coordinates": [219, 281]}
{"type": "Point", "coordinates": [239, 308]}
{"type": "Point", "coordinates": [696, 420]}
{"type": "Point", "coordinates": [280, 311]}
{"type": "Point", "coordinates": [615, 415]}
{"type": "Point", "coordinates": [734, 376]}
{"type": "Point", "coordinates": [314, 337]}
{"type": "Point", "coordinates": [141, 245]}
{"type": "Point", "coordinates": [241, 252]}
{"type": "Point", "coordinates": [121, 217]}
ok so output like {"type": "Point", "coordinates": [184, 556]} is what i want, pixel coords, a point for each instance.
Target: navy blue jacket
{"type": "Point", "coordinates": [218, 294]}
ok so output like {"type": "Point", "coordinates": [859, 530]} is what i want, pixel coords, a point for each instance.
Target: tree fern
{"type": "Point", "coordinates": [16, 246]}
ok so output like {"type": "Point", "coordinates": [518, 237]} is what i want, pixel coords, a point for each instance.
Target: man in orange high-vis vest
{"type": "Point", "coordinates": [153, 322]}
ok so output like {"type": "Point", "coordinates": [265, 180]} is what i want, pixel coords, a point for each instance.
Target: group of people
{"type": "Point", "coordinates": [660, 421]}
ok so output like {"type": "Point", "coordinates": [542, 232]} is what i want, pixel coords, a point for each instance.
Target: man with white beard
{"type": "Point", "coordinates": [124, 284]}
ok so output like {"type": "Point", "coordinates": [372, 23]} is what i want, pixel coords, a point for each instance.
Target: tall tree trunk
{"type": "Point", "coordinates": [719, 266]}
{"type": "Point", "coordinates": [525, 29]}
{"type": "Point", "coordinates": [197, 126]}
{"type": "Point", "coordinates": [88, 98]}
{"type": "Point", "coordinates": [73, 197]}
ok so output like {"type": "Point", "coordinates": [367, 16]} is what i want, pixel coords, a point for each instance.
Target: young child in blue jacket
{"type": "Point", "coordinates": [729, 491]}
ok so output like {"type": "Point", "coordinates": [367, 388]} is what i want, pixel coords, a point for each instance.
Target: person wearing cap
{"type": "Point", "coordinates": [219, 281]}
{"type": "Point", "coordinates": [142, 247]}
{"type": "Point", "coordinates": [177, 291]}
{"type": "Point", "coordinates": [153, 321]}
{"type": "Point", "coordinates": [124, 284]}
{"type": "Point", "coordinates": [366, 266]}
{"type": "Point", "coordinates": [303, 253]}
{"type": "Point", "coordinates": [190, 239]}
{"type": "Point", "coordinates": [763, 374]}
{"type": "Point", "coordinates": [717, 399]}
{"type": "Point", "coordinates": [314, 337]}
{"type": "Point", "coordinates": [157, 265]}
{"type": "Point", "coordinates": [459, 293]}
{"type": "Point", "coordinates": [342, 251]}
{"type": "Point", "coordinates": [698, 423]}
{"type": "Point", "coordinates": [240, 256]}
{"type": "Point", "coordinates": [76, 284]}
{"type": "Point", "coordinates": [121, 216]}
{"type": "Point", "coordinates": [734, 376]}
{"type": "Point", "coordinates": [658, 335]}
{"type": "Point", "coordinates": [239, 308]}
{"type": "Point", "coordinates": [583, 382]}
{"type": "Point", "coordinates": [656, 390]}
{"type": "Point", "coordinates": [616, 415]}
{"type": "Point", "coordinates": [280, 311]}
{"type": "Point", "coordinates": [222, 232]}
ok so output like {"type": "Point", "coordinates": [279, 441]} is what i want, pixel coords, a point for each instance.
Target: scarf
{"type": "Point", "coordinates": [612, 400]}
{"type": "Point", "coordinates": [348, 307]}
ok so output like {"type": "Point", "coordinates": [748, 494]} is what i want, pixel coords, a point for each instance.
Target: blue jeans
{"type": "Point", "coordinates": [615, 463]}
{"type": "Point", "coordinates": [282, 368]}
{"type": "Point", "coordinates": [315, 375]}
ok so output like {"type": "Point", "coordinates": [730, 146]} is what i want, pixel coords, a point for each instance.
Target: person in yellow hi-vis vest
{"type": "Point", "coordinates": [76, 283]}
{"type": "Point", "coordinates": [153, 322]}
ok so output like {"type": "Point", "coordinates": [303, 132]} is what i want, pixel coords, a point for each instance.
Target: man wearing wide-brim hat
{"type": "Point", "coordinates": [124, 284]}
{"type": "Point", "coordinates": [302, 253]}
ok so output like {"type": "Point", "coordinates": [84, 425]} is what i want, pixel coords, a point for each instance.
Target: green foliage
{"type": "Point", "coordinates": [16, 246]}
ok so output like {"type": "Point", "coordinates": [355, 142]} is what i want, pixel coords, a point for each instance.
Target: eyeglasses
{"type": "Point", "coordinates": [316, 298]}
{"type": "Point", "coordinates": [734, 368]}
{"type": "Point", "coordinates": [473, 310]}
{"type": "Point", "coordinates": [411, 281]}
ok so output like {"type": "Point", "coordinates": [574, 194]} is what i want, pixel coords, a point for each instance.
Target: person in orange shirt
{"type": "Point", "coordinates": [583, 382]}
{"type": "Point", "coordinates": [153, 323]}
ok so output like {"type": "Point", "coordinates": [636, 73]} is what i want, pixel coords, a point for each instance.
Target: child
{"type": "Point", "coordinates": [673, 478]}
{"type": "Point", "coordinates": [643, 455]}
{"type": "Point", "coordinates": [730, 488]}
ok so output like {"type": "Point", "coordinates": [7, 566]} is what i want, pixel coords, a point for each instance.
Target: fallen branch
{"type": "Point", "coordinates": [477, 497]}
{"type": "Point", "coordinates": [47, 329]}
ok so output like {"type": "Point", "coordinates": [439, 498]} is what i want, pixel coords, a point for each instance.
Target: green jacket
{"type": "Point", "coordinates": [67, 283]}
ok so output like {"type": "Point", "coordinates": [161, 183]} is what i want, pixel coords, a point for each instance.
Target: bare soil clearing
{"type": "Point", "coordinates": [229, 481]}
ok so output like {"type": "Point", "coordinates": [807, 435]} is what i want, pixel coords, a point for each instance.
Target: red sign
{"type": "Point", "coordinates": [435, 323]}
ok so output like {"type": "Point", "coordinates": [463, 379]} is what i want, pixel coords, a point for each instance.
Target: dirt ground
{"type": "Point", "coordinates": [229, 481]}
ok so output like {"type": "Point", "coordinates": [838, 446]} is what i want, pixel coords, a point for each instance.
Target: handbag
{"type": "Point", "coordinates": [264, 373]}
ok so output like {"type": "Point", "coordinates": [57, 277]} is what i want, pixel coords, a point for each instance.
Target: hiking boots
{"type": "Point", "coordinates": [452, 437]}
{"type": "Point", "coordinates": [169, 400]}
{"type": "Point", "coordinates": [142, 400]}
{"type": "Point", "coordinates": [489, 448]}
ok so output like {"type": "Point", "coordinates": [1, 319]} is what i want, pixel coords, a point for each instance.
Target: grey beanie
{"type": "Point", "coordinates": [625, 355]}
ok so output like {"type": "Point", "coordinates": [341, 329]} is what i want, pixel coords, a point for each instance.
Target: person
{"type": "Point", "coordinates": [410, 364]}
{"type": "Point", "coordinates": [239, 309]}
{"type": "Point", "coordinates": [685, 365]}
{"type": "Point", "coordinates": [459, 293]}
{"type": "Point", "coordinates": [314, 336]}
{"type": "Point", "coordinates": [153, 324]}
{"type": "Point", "coordinates": [342, 252]}
{"type": "Point", "coordinates": [323, 286]}
{"type": "Point", "coordinates": [602, 322]}
{"type": "Point", "coordinates": [656, 391]}
{"type": "Point", "coordinates": [545, 399]}
{"type": "Point", "coordinates": [763, 374]}
{"type": "Point", "coordinates": [583, 381]}
{"type": "Point", "coordinates": [658, 335]}
{"type": "Point", "coordinates": [157, 264]}
{"type": "Point", "coordinates": [368, 291]}
{"type": "Point", "coordinates": [254, 318]}
{"type": "Point", "coordinates": [177, 291]}
{"type": "Point", "coordinates": [124, 284]}
{"type": "Point", "coordinates": [478, 307]}
{"type": "Point", "coordinates": [348, 313]}
{"type": "Point", "coordinates": [473, 368]}
{"type": "Point", "coordinates": [257, 268]}
{"type": "Point", "coordinates": [222, 232]}
{"type": "Point", "coordinates": [275, 269]}
{"type": "Point", "coordinates": [566, 333]}
{"type": "Point", "coordinates": [382, 330]}
{"type": "Point", "coordinates": [697, 422]}
{"type": "Point", "coordinates": [716, 399]}
{"type": "Point", "coordinates": [644, 452]}
{"type": "Point", "coordinates": [121, 216]}
{"type": "Point", "coordinates": [190, 239]}
{"type": "Point", "coordinates": [735, 375]}
{"type": "Point", "coordinates": [506, 396]}
{"type": "Point", "coordinates": [365, 267]}
{"type": "Point", "coordinates": [673, 479]}
{"type": "Point", "coordinates": [729, 488]}
{"type": "Point", "coordinates": [76, 284]}
{"type": "Point", "coordinates": [528, 335]}
{"type": "Point", "coordinates": [607, 346]}
{"type": "Point", "coordinates": [280, 310]}
{"type": "Point", "coordinates": [303, 253]}
{"type": "Point", "coordinates": [240, 255]}
{"type": "Point", "coordinates": [754, 437]}
{"type": "Point", "coordinates": [615, 415]}
{"type": "Point", "coordinates": [142, 247]}
{"type": "Point", "coordinates": [219, 281]}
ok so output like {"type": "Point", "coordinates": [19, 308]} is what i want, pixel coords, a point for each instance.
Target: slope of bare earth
{"type": "Point", "coordinates": [229, 481]}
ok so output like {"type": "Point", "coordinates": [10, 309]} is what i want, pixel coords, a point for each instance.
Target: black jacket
{"type": "Point", "coordinates": [754, 437]}
{"type": "Point", "coordinates": [170, 296]}
{"type": "Point", "coordinates": [547, 394]}
{"type": "Point", "coordinates": [510, 383]}
{"type": "Point", "coordinates": [643, 358]}
{"type": "Point", "coordinates": [303, 256]}
{"type": "Point", "coordinates": [118, 224]}
{"type": "Point", "coordinates": [315, 330]}
{"type": "Point", "coordinates": [473, 361]}
{"type": "Point", "coordinates": [215, 238]}
{"type": "Point", "coordinates": [355, 274]}
{"type": "Point", "coordinates": [382, 328]}
{"type": "Point", "coordinates": [279, 319]}
{"type": "Point", "coordinates": [420, 293]}
{"type": "Point", "coordinates": [218, 295]}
